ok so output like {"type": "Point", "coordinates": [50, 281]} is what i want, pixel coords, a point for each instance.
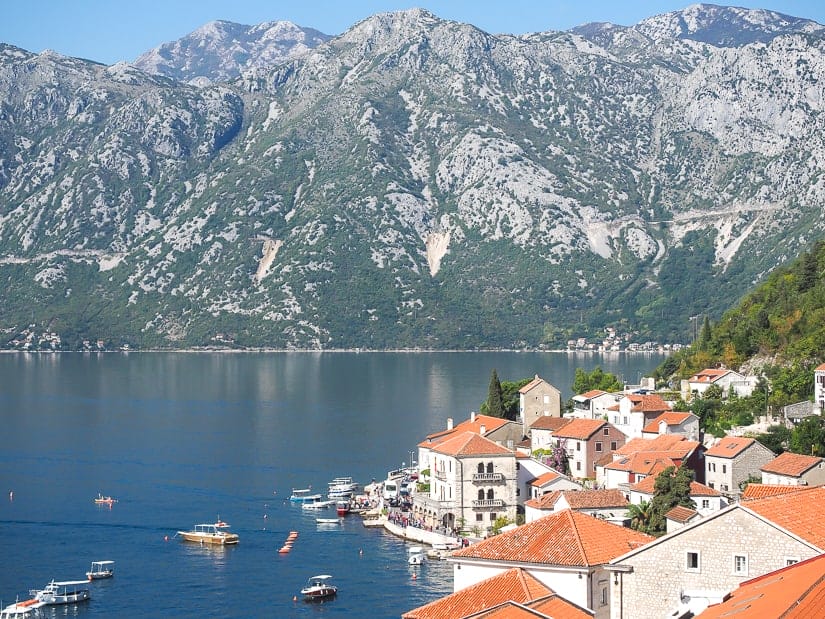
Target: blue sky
{"type": "Point", "coordinates": [113, 30]}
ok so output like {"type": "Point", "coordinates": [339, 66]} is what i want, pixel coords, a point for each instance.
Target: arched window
{"type": "Point", "coordinates": [480, 467]}
{"type": "Point", "coordinates": [489, 467]}
{"type": "Point", "coordinates": [490, 494]}
{"type": "Point", "coordinates": [481, 495]}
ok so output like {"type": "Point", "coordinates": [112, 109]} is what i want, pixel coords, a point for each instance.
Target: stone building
{"type": "Point", "coordinates": [538, 398]}
{"type": "Point", "coordinates": [733, 461]}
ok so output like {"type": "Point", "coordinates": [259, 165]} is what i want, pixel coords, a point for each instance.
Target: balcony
{"type": "Point", "coordinates": [488, 503]}
{"type": "Point", "coordinates": [487, 477]}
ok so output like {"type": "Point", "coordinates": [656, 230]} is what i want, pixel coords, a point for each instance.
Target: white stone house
{"type": "Point", "coordinates": [635, 411]}
{"type": "Point", "coordinates": [566, 551]}
{"type": "Point", "coordinates": [607, 504]}
{"type": "Point", "coordinates": [732, 461]}
{"type": "Point", "coordinates": [819, 388]}
{"type": "Point", "coordinates": [723, 378]}
{"type": "Point", "coordinates": [550, 481]}
{"type": "Point", "coordinates": [473, 482]}
{"type": "Point", "coordinates": [543, 430]}
{"type": "Point", "coordinates": [794, 470]}
{"type": "Point", "coordinates": [593, 404]}
{"type": "Point", "coordinates": [536, 478]}
{"type": "Point", "coordinates": [673, 422]}
{"type": "Point", "coordinates": [706, 499]}
{"type": "Point", "coordinates": [702, 562]}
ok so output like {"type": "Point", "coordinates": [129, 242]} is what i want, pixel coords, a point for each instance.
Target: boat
{"type": "Point", "coordinates": [62, 592]}
{"type": "Point", "coordinates": [101, 569]}
{"type": "Point", "coordinates": [210, 534]}
{"type": "Point", "coordinates": [20, 609]}
{"type": "Point", "coordinates": [327, 521]}
{"type": "Point", "coordinates": [302, 495]}
{"type": "Point", "coordinates": [416, 555]}
{"type": "Point", "coordinates": [319, 504]}
{"type": "Point", "coordinates": [319, 588]}
{"type": "Point", "coordinates": [341, 488]}
{"type": "Point", "coordinates": [104, 500]}
{"type": "Point", "coordinates": [342, 507]}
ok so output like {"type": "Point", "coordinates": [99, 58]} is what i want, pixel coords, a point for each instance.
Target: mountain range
{"type": "Point", "coordinates": [412, 183]}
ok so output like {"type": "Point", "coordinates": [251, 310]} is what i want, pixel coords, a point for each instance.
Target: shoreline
{"type": "Point", "coordinates": [196, 350]}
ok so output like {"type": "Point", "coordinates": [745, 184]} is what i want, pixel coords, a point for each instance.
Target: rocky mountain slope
{"type": "Point", "coordinates": [413, 182]}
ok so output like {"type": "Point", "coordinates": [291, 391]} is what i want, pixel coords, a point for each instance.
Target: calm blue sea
{"type": "Point", "coordinates": [185, 438]}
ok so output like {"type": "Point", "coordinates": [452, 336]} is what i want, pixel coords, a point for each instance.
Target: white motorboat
{"type": "Point", "coordinates": [319, 588]}
{"type": "Point", "coordinates": [328, 520]}
{"type": "Point", "coordinates": [101, 569]}
{"type": "Point", "coordinates": [20, 609]}
{"type": "Point", "coordinates": [63, 592]}
{"type": "Point", "coordinates": [319, 504]}
{"type": "Point", "coordinates": [210, 534]}
{"type": "Point", "coordinates": [416, 555]}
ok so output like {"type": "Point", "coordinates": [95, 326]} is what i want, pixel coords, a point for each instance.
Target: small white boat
{"type": "Point", "coordinates": [319, 588]}
{"type": "Point", "coordinates": [416, 555]}
{"type": "Point", "coordinates": [105, 500]}
{"type": "Point", "coordinates": [319, 504]}
{"type": "Point", "coordinates": [210, 534]}
{"type": "Point", "coordinates": [328, 521]}
{"type": "Point", "coordinates": [63, 592]}
{"type": "Point", "coordinates": [101, 569]}
{"type": "Point", "coordinates": [20, 609]}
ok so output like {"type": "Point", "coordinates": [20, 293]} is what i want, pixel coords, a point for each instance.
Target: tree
{"type": "Point", "coordinates": [510, 397]}
{"type": "Point", "coordinates": [597, 379]}
{"type": "Point", "coordinates": [495, 407]}
{"type": "Point", "coordinates": [672, 488]}
{"type": "Point", "coordinates": [808, 437]}
{"type": "Point", "coordinates": [639, 516]}
{"type": "Point", "coordinates": [777, 438]}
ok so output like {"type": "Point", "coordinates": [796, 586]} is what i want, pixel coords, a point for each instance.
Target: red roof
{"type": "Point", "coordinates": [681, 514]}
{"type": "Point", "coordinates": [593, 393]}
{"type": "Point", "coordinates": [792, 465]}
{"type": "Point", "coordinates": [647, 403]}
{"type": "Point", "coordinates": [545, 478]}
{"type": "Point", "coordinates": [797, 512]}
{"type": "Point", "coordinates": [760, 491]}
{"type": "Point", "coordinates": [642, 463]}
{"type": "Point", "coordinates": [675, 445]}
{"type": "Point", "coordinates": [581, 429]}
{"type": "Point", "coordinates": [604, 498]}
{"type": "Point", "coordinates": [535, 383]}
{"type": "Point", "coordinates": [470, 425]}
{"type": "Point", "coordinates": [470, 444]}
{"type": "Point", "coordinates": [646, 486]}
{"type": "Point", "coordinates": [565, 538]}
{"type": "Point", "coordinates": [548, 422]}
{"type": "Point", "coordinates": [552, 606]}
{"type": "Point", "coordinates": [672, 418]}
{"type": "Point", "coordinates": [820, 368]}
{"type": "Point", "coordinates": [515, 584]}
{"type": "Point", "coordinates": [708, 375]}
{"type": "Point", "coordinates": [730, 446]}
{"type": "Point", "coordinates": [793, 592]}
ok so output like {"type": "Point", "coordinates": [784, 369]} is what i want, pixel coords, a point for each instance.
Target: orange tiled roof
{"type": "Point", "coordinates": [593, 393]}
{"type": "Point", "coordinates": [672, 418]}
{"type": "Point", "coordinates": [674, 444]}
{"type": "Point", "coordinates": [708, 375]}
{"type": "Point", "coordinates": [594, 499]}
{"type": "Point", "coordinates": [469, 425]}
{"type": "Point", "coordinates": [820, 368]}
{"type": "Point", "coordinates": [545, 501]}
{"type": "Point", "coordinates": [470, 444]}
{"type": "Point", "coordinates": [642, 463]}
{"type": "Point", "coordinates": [681, 514]}
{"type": "Point", "coordinates": [648, 403]}
{"type": "Point", "coordinates": [797, 512]}
{"type": "Point", "coordinates": [760, 491]}
{"type": "Point", "coordinates": [647, 486]}
{"type": "Point", "coordinates": [581, 429]}
{"type": "Point", "coordinates": [545, 478]}
{"type": "Point", "coordinates": [730, 446]}
{"type": "Point", "coordinates": [548, 422]}
{"type": "Point", "coordinates": [515, 584]}
{"type": "Point", "coordinates": [793, 465]}
{"type": "Point", "coordinates": [549, 606]}
{"type": "Point", "coordinates": [793, 592]}
{"type": "Point", "coordinates": [534, 383]}
{"type": "Point", "coordinates": [565, 538]}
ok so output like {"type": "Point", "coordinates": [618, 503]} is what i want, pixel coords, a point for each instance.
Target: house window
{"type": "Point", "coordinates": [518, 466]}
{"type": "Point", "coordinates": [598, 446]}
{"type": "Point", "coordinates": [490, 494]}
{"type": "Point", "coordinates": [578, 446]}
{"type": "Point", "coordinates": [518, 491]}
{"type": "Point", "coordinates": [578, 466]}
{"type": "Point", "coordinates": [479, 517]}
{"type": "Point", "coordinates": [606, 431]}
{"type": "Point", "coordinates": [613, 445]}
{"type": "Point", "coordinates": [710, 484]}
{"type": "Point", "coordinates": [724, 468]}
{"type": "Point", "coordinates": [692, 562]}
{"type": "Point", "coordinates": [490, 467]}
{"type": "Point", "coordinates": [712, 467]}
{"type": "Point", "coordinates": [723, 487]}
{"type": "Point", "coordinates": [604, 596]}
{"type": "Point", "coordinates": [791, 560]}
{"type": "Point", "coordinates": [624, 421]}
{"type": "Point", "coordinates": [480, 467]}
{"type": "Point", "coordinates": [705, 503]}
{"type": "Point", "coordinates": [547, 399]}
{"type": "Point", "coordinates": [740, 565]}
{"type": "Point", "coordinates": [493, 516]}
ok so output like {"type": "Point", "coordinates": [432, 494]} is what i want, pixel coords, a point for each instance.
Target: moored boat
{"type": "Point", "coordinates": [416, 555]}
{"type": "Point", "coordinates": [210, 534]}
{"type": "Point", "coordinates": [303, 495]}
{"type": "Point", "coordinates": [101, 569]}
{"type": "Point", "coordinates": [319, 588]}
{"type": "Point", "coordinates": [342, 507]}
{"type": "Point", "coordinates": [105, 500]}
{"type": "Point", "coordinates": [20, 609]}
{"type": "Point", "coordinates": [319, 504]}
{"type": "Point", "coordinates": [327, 521]}
{"type": "Point", "coordinates": [62, 592]}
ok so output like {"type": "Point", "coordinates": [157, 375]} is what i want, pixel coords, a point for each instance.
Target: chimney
{"type": "Point", "coordinates": [482, 430]}
{"type": "Point", "coordinates": [449, 423]}
{"type": "Point", "coordinates": [472, 416]}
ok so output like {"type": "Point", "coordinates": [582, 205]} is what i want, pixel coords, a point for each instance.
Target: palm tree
{"type": "Point", "coordinates": [639, 516]}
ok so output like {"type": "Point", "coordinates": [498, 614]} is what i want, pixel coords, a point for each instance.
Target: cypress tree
{"type": "Point", "coordinates": [495, 408]}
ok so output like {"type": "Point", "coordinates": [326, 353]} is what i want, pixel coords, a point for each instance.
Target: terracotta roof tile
{"type": "Point", "coordinates": [594, 499]}
{"type": "Point", "coordinates": [708, 375]}
{"type": "Point", "coordinates": [545, 478]}
{"type": "Point", "coordinates": [730, 446]}
{"type": "Point", "coordinates": [567, 538]}
{"type": "Point", "coordinates": [649, 403]}
{"type": "Point", "coordinates": [674, 444]}
{"type": "Point", "coordinates": [647, 486]}
{"type": "Point", "coordinates": [672, 418]}
{"type": "Point", "coordinates": [515, 584]}
{"type": "Point", "coordinates": [470, 444]}
{"type": "Point", "coordinates": [533, 384]}
{"type": "Point", "coordinates": [681, 514]}
{"type": "Point", "coordinates": [820, 368]}
{"type": "Point", "coordinates": [548, 422]}
{"type": "Point", "coordinates": [581, 429]}
{"type": "Point", "coordinates": [642, 463]}
{"type": "Point", "coordinates": [797, 512]}
{"type": "Point", "coordinates": [553, 606]}
{"type": "Point", "coordinates": [545, 501]}
{"type": "Point", "coordinates": [793, 465]}
{"type": "Point", "coordinates": [593, 393]}
{"type": "Point", "coordinates": [469, 425]}
{"type": "Point", "coordinates": [793, 592]}
{"type": "Point", "coordinates": [760, 491]}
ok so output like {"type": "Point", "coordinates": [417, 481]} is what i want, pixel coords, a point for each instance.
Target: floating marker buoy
{"type": "Point", "coordinates": [264, 516]}
{"type": "Point", "coordinates": [165, 538]}
{"type": "Point", "coordinates": [413, 576]}
{"type": "Point", "coordinates": [294, 598]}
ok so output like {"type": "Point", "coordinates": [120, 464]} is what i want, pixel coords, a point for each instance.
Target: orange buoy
{"type": "Point", "coordinates": [414, 576]}
{"type": "Point", "coordinates": [284, 550]}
